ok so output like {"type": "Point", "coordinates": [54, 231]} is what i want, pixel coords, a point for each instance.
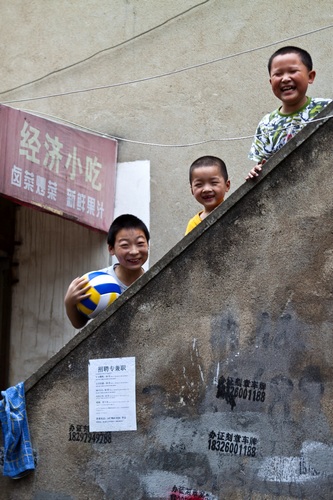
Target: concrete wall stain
{"type": "Point", "coordinates": [254, 313]}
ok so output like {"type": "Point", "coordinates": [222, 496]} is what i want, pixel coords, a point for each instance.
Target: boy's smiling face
{"type": "Point", "coordinates": [289, 78]}
{"type": "Point", "coordinates": [130, 248]}
{"type": "Point", "coordinates": [208, 186]}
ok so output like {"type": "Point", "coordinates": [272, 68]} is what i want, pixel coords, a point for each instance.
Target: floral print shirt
{"type": "Point", "coordinates": [275, 129]}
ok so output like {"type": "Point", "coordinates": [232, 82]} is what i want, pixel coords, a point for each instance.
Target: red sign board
{"type": "Point", "coordinates": [56, 168]}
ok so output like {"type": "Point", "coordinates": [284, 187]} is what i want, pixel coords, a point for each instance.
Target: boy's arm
{"type": "Point", "coordinates": [76, 292]}
{"type": "Point", "coordinates": [259, 149]}
{"type": "Point", "coordinates": [192, 223]}
{"type": "Point", "coordinates": [262, 143]}
{"type": "Point", "coordinates": [255, 171]}
{"type": "Point", "coordinates": [189, 227]}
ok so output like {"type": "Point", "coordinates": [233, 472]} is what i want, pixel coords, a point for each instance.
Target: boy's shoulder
{"type": "Point", "coordinates": [312, 107]}
{"type": "Point", "coordinates": [320, 100]}
{"type": "Point", "coordinates": [268, 120]}
{"type": "Point", "coordinates": [192, 223]}
{"type": "Point", "coordinates": [315, 105]}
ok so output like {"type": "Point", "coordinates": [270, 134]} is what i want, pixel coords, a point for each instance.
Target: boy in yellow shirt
{"type": "Point", "coordinates": [209, 183]}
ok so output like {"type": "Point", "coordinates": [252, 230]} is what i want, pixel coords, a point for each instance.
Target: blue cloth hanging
{"type": "Point", "coordinates": [18, 453]}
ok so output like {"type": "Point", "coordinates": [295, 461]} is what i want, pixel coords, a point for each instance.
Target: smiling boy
{"type": "Point", "coordinates": [128, 240]}
{"type": "Point", "coordinates": [209, 183]}
{"type": "Point", "coordinates": [291, 71]}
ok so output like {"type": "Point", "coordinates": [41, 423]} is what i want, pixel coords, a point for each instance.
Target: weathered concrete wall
{"type": "Point", "coordinates": [245, 301]}
{"type": "Point", "coordinates": [54, 49]}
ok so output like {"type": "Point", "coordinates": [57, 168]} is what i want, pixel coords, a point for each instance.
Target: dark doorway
{"type": "Point", "coordinates": [7, 245]}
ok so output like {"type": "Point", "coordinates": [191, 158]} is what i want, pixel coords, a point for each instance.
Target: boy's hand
{"type": "Point", "coordinates": [77, 291]}
{"type": "Point", "coordinates": [255, 171]}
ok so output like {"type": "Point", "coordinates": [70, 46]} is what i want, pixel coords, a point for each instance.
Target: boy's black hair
{"type": "Point", "coordinates": [208, 161]}
{"type": "Point", "coordinates": [126, 221]}
{"type": "Point", "coordinates": [291, 49]}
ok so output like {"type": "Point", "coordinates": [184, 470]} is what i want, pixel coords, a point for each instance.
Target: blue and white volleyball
{"type": "Point", "coordinates": [103, 291]}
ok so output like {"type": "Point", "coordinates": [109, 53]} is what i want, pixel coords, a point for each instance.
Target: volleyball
{"type": "Point", "coordinates": [104, 290]}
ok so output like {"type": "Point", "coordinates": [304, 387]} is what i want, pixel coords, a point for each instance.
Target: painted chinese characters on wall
{"type": "Point", "coordinates": [57, 168]}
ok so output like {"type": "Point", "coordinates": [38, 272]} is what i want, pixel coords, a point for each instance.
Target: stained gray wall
{"type": "Point", "coordinates": [244, 301]}
{"type": "Point", "coordinates": [215, 55]}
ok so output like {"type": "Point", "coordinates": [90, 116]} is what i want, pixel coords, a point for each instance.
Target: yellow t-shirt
{"type": "Point", "coordinates": [195, 221]}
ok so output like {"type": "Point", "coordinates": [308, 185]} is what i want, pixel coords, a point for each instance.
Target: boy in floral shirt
{"type": "Point", "coordinates": [290, 71]}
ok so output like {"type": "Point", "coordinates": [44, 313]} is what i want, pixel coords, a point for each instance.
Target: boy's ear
{"type": "Point", "coordinates": [312, 75]}
{"type": "Point", "coordinates": [227, 185]}
{"type": "Point", "coordinates": [111, 250]}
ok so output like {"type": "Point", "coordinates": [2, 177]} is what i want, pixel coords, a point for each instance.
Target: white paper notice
{"type": "Point", "coordinates": [112, 405]}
